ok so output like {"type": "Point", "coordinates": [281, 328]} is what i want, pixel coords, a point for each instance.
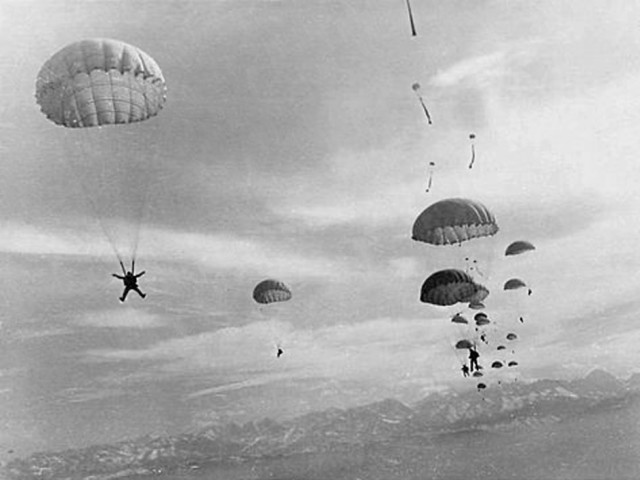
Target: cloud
{"type": "Point", "coordinates": [225, 251]}
{"type": "Point", "coordinates": [120, 318]}
{"type": "Point", "coordinates": [484, 70]}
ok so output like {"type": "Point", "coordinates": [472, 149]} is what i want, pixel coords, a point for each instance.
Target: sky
{"type": "Point", "coordinates": [292, 146]}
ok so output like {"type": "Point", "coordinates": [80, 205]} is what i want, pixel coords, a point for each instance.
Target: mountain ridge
{"type": "Point", "coordinates": [511, 406]}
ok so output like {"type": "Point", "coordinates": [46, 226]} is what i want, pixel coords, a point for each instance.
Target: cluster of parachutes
{"type": "Point", "coordinates": [455, 221]}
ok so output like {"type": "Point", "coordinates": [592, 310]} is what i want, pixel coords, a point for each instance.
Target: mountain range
{"type": "Point", "coordinates": [350, 437]}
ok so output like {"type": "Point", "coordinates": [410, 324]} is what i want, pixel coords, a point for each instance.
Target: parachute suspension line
{"type": "Point", "coordinates": [139, 215]}
{"type": "Point", "coordinates": [96, 215]}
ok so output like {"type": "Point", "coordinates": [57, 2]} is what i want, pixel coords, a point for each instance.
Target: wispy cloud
{"type": "Point", "coordinates": [217, 251]}
{"type": "Point", "coordinates": [484, 69]}
{"type": "Point", "coordinates": [120, 318]}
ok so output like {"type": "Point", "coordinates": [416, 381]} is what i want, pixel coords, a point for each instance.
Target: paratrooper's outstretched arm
{"type": "Point", "coordinates": [141, 273]}
{"type": "Point", "coordinates": [117, 276]}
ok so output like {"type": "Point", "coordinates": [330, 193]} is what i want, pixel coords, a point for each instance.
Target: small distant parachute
{"type": "Point", "coordinates": [472, 137]}
{"type": "Point", "coordinates": [477, 374]}
{"type": "Point", "coordinates": [453, 221]}
{"type": "Point", "coordinates": [480, 316]}
{"type": "Point", "coordinates": [464, 344]}
{"type": "Point", "coordinates": [512, 363]}
{"type": "Point", "coordinates": [518, 247]}
{"type": "Point", "coordinates": [514, 284]}
{"type": "Point", "coordinates": [497, 364]}
{"type": "Point", "coordinates": [448, 287]}
{"type": "Point", "coordinates": [458, 318]}
{"type": "Point", "coordinates": [511, 336]}
{"type": "Point", "coordinates": [476, 305]}
{"type": "Point", "coordinates": [482, 322]}
{"type": "Point", "coordinates": [501, 347]}
{"type": "Point", "coordinates": [430, 182]}
{"type": "Point", "coordinates": [481, 386]}
{"type": "Point", "coordinates": [270, 291]}
{"type": "Point", "coordinates": [416, 89]}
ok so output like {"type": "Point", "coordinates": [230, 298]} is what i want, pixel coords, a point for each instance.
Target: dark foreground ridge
{"type": "Point", "coordinates": [387, 439]}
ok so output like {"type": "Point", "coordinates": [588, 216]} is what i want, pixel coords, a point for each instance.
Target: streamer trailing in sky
{"type": "Point", "coordinates": [416, 88]}
{"type": "Point", "coordinates": [413, 27]}
{"type": "Point", "coordinates": [430, 183]}
{"type": "Point", "coordinates": [472, 137]}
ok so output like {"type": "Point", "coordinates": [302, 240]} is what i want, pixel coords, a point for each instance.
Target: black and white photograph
{"type": "Point", "coordinates": [319, 240]}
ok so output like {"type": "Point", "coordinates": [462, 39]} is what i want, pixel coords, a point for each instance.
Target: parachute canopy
{"type": "Point", "coordinates": [511, 336]}
{"type": "Point", "coordinates": [454, 220]}
{"type": "Point", "coordinates": [496, 364]}
{"type": "Point", "coordinates": [514, 283]}
{"type": "Point", "coordinates": [501, 347]}
{"type": "Point", "coordinates": [477, 374]}
{"type": "Point", "coordinates": [518, 247]}
{"type": "Point", "coordinates": [457, 318]}
{"type": "Point", "coordinates": [481, 386]}
{"type": "Point", "coordinates": [100, 82]}
{"type": "Point", "coordinates": [464, 344]}
{"type": "Point", "coordinates": [270, 290]}
{"type": "Point", "coordinates": [513, 363]}
{"type": "Point", "coordinates": [482, 321]}
{"type": "Point", "coordinates": [476, 305]}
{"type": "Point", "coordinates": [448, 287]}
{"type": "Point", "coordinates": [480, 316]}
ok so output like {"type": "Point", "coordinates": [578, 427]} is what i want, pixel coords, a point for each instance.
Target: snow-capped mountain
{"type": "Point", "coordinates": [511, 406]}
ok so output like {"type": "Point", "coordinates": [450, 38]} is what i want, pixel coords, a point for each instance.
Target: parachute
{"type": "Point", "coordinates": [464, 344]}
{"type": "Point", "coordinates": [416, 88]}
{"type": "Point", "coordinates": [270, 291]}
{"type": "Point", "coordinates": [100, 82]}
{"type": "Point", "coordinates": [501, 347]}
{"type": "Point", "coordinates": [458, 318]}
{"type": "Point", "coordinates": [476, 305]}
{"type": "Point", "coordinates": [514, 283]}
{"type": "Point", "coordinates": [103, 82]}
{"type": "Point", "coordinates": [430, 182]}
{"type": "Point", "coordinates": [518, 247]}
{"type": "Point", "coordinates": [511, 336]}
{"type": "Point", "coordinates": [481, 386]}
{"type": "Point", "coordinates": [477, 374]}
{"type": "Point", "coordinates": [496, 364]}
{"type": "Point", "coordinates": [480, 316]}
{"type": "Point", "coordinates": [512, 363]}
{"type": "Point", "coordinates": [472, 137]}
{"type": "Point", "coordinates": [453, 221]}
{"type": "Point", "coordinates": [448, 287]}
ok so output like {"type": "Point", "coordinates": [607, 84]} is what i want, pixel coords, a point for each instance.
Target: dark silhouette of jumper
{"type": "Point", "coordinates": [130, 280]}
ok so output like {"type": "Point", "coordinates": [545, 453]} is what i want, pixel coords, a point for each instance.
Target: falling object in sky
{"type": "Point", "coordinates": [472, 137]}
{"type": "Point", "coordinates": [518, 247]}
{"type": "Point", "coordinates": [431, 165]}
{"type": "Point", "coordinates": [413, 27]}
{"type": "Point", "coordinates": [416, 88]}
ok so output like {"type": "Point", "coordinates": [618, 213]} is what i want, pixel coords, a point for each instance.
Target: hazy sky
{"type": "Point", "coordinates": [292, 146]}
